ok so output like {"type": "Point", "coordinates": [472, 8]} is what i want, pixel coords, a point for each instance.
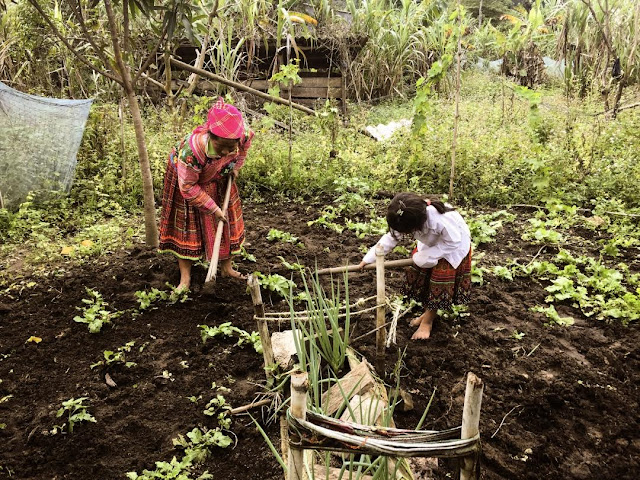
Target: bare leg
{"type": "Point", "coordinates": [226, 269]}
{"type": "Point", "coordinates": [185, 273]}
{"type": "Point", "coordinates": [426, 323]}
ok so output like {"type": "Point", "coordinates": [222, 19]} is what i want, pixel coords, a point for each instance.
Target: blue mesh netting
{"type": "Point", "coordinates": [39, 140]}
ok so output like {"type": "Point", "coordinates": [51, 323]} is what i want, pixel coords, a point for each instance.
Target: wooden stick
{"type": "Point", "coordinates": [1, 201]}
{"type": "Point", "coordinates": [244, 408]}
{"type": "Point", "coordinates": [299, 386]}
{"type": "Point", "coordinates": [239, 86]}
{"type": "Point", "coordinates": [213, 266]}
{"type": "Point", "coordinates": [263, 328]}
{"type": "Point", "coordinates": [405, 262]}
{"type": "Point", "coordinates": [471, 422]}
{"type": "Point", "coordinates": [381, 333]}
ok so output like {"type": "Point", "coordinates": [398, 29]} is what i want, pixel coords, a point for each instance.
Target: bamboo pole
{"type": "Point", "coordinates": [299, 386]}
{"type": "Point", "coordinates": [263, 328]}
{"type": "Point", "coordinates": [244, 408]}
{"type": "Point", "coordinates": [239, 86]}
{"type": "Point", "coordinates": [471, 422]}
{"type": "Point", "coordinates": [405, 262]}
{"type": "Point", "coordinates": [381, 333]}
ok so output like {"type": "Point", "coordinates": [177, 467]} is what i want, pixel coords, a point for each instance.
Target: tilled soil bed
{"type": "Point", "coordinates": [558, 402]}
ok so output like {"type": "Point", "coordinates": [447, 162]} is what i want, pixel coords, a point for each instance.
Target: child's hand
{"type": "Point", "coordinates": [361, 265]}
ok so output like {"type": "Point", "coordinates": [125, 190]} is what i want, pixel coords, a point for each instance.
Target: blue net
{"type": "Point", "coordinates": [39, 140]}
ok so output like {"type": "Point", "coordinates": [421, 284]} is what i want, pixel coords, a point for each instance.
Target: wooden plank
{"type": "Point", "coordinates": [314, 92]}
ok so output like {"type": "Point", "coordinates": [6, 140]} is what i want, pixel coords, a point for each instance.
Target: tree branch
{"type": "Point", "coordinates": [80, 57]}
{"type": "Point", "coordinates": [77, 10]}
{"type": "Point", "coordinates": [151, 55]}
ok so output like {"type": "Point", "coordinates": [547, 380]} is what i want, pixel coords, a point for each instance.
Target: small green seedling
{"type": "Point", "coordinates": [278, 235]}
{"type": "Point", "coordinates": [291, 266]}
{"type": "Point", "coordinates": [112, 358]}
{"type": "Point", "coordinates": [76, 412]}
{"type": "Point", "coordinates": [95, 314]}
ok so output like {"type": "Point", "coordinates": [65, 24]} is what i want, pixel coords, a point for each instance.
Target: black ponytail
{"type": "Point", "coordinates": [407, 212]}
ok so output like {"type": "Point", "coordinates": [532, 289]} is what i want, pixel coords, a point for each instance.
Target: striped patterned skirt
{"type": "Point", "coordinates": [441, 286]}
{"type": "Point", "coordinates": [189, 233]}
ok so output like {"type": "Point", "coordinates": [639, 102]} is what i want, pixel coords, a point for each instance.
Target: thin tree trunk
{"type": "Point", "coordinates": [151, 229]}
{"type": "Point", "coordinates": [480, 15]}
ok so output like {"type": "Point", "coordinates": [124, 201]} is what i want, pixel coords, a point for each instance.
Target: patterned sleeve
{"type": "Point", "coordinates": [245, 144]}
{"type": "Point", "coordinates": [188, 174]}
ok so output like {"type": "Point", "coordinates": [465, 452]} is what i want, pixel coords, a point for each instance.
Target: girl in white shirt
{"type": "Point", "coordinates": [441, 274]}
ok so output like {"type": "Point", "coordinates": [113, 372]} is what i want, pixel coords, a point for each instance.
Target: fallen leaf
{"type": "Point", "coordinates": [67, 250]}
{"type": "Point", "coordinates": [34, 339]}
{"type": "Point", "coordinates": [86, 243]}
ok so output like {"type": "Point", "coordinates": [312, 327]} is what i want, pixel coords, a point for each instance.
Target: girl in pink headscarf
{"type": "Point", "coordinates": [194, 186]}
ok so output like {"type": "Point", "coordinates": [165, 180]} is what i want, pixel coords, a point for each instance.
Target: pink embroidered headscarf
{"type": "Point", "coordinates": [223, 120]}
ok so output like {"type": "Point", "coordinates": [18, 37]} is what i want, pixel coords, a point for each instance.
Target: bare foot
{"type": "Point", "coordinates": [416, 321]}
{"type": "Point", "coordinates": [233, 274]}
{"type": "Point", "coordinates": [182, 287]}
{"type": "Point", "coordinates": [423, 332]}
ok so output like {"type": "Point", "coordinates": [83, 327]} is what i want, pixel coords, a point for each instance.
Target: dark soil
{"type": "Point", "coordinates": [558, 403]}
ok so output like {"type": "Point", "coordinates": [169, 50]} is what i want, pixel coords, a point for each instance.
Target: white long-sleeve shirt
{"type": "Point", "coordinates": [443, 235]}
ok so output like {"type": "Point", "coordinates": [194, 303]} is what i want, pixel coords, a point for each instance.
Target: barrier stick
{"type": "Point", "coordinates": [263, 328]}
{"type": "Point", "coordinates": [471, 423]}
{"type": "Point", "coordinates": [299, 386]}
{"type": "Point", "coordinates": [405, 262]}
{"type": "Point", "coordinates": [381, 332]}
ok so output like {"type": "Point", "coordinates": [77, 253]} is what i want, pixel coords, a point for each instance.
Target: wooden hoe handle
{"type": "Point", "coordinates": [213, 266]}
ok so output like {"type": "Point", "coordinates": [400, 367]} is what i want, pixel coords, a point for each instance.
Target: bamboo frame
{"type": "Point", "coordinates": [471, 423]}
{"type": "Point", "coordinates": [299, 387]}
{"type": "Point", "coordinates": [263, 328]}
{"type": "Point", "coordinates": [405, 262]}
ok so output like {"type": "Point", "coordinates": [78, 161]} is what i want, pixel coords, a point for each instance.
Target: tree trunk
{"type": "Point", "coordinates": [150, 227]}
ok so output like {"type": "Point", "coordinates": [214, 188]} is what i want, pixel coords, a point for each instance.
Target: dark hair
{"type": "Point", "coordinates": [407, 212]}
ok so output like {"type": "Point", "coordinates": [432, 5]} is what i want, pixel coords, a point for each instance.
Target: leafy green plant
{"type": "Point", "coordinates": [246, 255]}
{"type": "Point", "coordinates": [553, 316]}
{"type": "Point", "coordinates": [95, 314]}
{"type": "Point", "coordinates": [278, 235]}
{"type": "Point", "coordinates": [503, 273]}
{"type": "Point", "coordinates": [485, 227]}
{"type": "Point", "coordinates": [540, 232]}
{"type": "Point", "coordinates": [219, 408]}
{"type": "Point", "coordinates": [276, 283]}
{"type": "Point", "coordinates": [76, 412]}
{"type": "Point", "coordinates": [199, 442]}
{"type": "Point", "coordinates": [117, 357]}
{"type": "Point", "coordinates": [228, 330]}
{"type": "Point", "coordinates": [296, 267]}
{"type": "Point", "coordinates": [326, 219]}
{"type": "Point", "coordinates": [377, 226]}
{"type": "Point", "coordinates": [147, 298]}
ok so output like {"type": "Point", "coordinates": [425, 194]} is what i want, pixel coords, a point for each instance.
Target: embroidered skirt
{"type": "Point", "coordinates": [441, 286]}
{"type": "Point", "coordinates": [189, 233]}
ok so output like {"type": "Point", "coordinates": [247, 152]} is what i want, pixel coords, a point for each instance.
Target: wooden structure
{"type": "Point", "coordinates": [323, 67]}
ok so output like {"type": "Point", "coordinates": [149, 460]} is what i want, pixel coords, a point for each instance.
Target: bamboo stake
{"type": "Point", "coordinates": [213, 266]}
{"type": "Point", "coordinates": [263, 328]}
{"type": "Point", "coordinates": [244, 408]}
{"type": "Point", "coordinates": [405, 262]}
{"type": "Point", "coordinates": [471, 422]}
{"type": "Point", "coordinates": [299, 386]}
{"type": "Point", "coordinates": [381, 333]}
{"type": "Point", "coordinates": [122, 147]}
{"type": "Point", "coordinates": [1, 200]}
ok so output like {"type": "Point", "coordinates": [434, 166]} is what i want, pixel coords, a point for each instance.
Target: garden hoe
{"type": "Point", "coordinates": [210, 280]}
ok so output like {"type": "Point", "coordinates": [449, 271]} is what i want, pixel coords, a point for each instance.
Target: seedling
{"type": "Point", "coordinates": [112, 358]}
{"type": "Point", "coordinates": [95, 315]}
{"type": "Point", "coordinates": [198, 444]}
{"type": "Point", "coordinates": [518, 335]}
{"type": "Point", "coordinates": [174, 295]}
{"type": "Point", "coordinates": [228, 330]}
{"type": "Point", "coordinates": [278, 235]}
{"type": "Point", "coordinates": [219, 408]}
{"type": "Point", "coordinates": [553, 316]}
{"type": "Point", "coordinates": [76, 412]}
{"type": "Point", "coordinates": [276, 283]}
{"type": "Point", "coordinates": [291, 266]}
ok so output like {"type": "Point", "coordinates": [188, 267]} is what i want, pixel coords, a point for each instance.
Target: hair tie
{"type": "Point", "coordinates": [428, 202]}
